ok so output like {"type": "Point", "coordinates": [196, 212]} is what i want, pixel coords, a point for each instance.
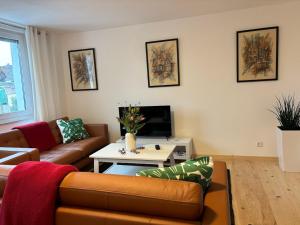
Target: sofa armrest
{"type": "Point", "coordinates": [216, 201]}
{"type": "Point", "coordinates": [4, 172]}
{"type": "Point", "coordinates": [33, 153]}
{"type": "Point", "coordinates": [15, 159]}
{"type": "Point", "coordinates": [96, 130]}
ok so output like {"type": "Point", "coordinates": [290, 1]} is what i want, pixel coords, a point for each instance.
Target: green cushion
{"type": "Point", "coordinates": [198, 170]}
{"type": "Point", "coordinates": [72, 130]}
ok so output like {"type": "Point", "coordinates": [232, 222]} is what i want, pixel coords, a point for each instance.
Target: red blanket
{"type": "Point", "coordinates": [38, 135]}
{"type": "Point", "coordinates": [30, 194]}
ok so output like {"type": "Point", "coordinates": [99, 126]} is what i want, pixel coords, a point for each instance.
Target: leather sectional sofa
{"type": "Point", "coordinates": [15, 149]}
{"type": "Point", "coordinates": [101, 199]}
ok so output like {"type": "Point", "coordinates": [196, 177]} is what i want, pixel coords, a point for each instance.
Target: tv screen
{"type": "Point", "coordinates": [157, 119]}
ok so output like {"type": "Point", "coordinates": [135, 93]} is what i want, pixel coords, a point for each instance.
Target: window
{"type": "Point", "coordinates": [15, 83]}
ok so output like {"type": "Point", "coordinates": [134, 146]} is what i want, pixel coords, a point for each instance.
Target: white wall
{"type": "Point", "coordinates": [221, 115]}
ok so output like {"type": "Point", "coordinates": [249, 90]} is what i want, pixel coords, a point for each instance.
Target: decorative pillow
{"type": "Point", "coordinates": [72, 130]}
{"type": "Point", "coordinates": [198, 170]}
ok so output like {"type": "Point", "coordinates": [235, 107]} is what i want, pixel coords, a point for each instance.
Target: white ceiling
{"type": "Point", "coordinates": [82, 15]}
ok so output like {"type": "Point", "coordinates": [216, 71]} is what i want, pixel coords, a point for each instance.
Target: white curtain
{"type": "Point", "coordinates": [45, 81]}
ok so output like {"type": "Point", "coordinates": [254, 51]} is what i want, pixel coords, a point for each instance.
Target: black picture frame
{"type": "Point", "coordinates": [274, 76]}
{"type": "Point", "coordinates": [95, 82]}
{"type": "Point", "coordinates": [177, 78]}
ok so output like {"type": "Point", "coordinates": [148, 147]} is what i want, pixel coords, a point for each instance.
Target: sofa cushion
{"type": "Point", "coordinates": [72, 130]}
{"type": "Point", "coordinates": [61, 156]}
{"type": "Point", "coordinates": [155, 197]}
{"type": "Point", "coordinates": [13, 138]}
{"type": "Point", "coordinates": [78, 216]}
{"type": "Point", "coordinates": [86, 146]}
{"type": "Point", "coordinates": [55, 130]}
{"type": "Point", "coordinates": [197, 170]}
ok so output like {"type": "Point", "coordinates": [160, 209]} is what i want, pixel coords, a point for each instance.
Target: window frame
{"type": "Point", "coordinates": [27, 114]}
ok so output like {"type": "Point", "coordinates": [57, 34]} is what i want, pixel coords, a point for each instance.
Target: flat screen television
{"type": "Point", "coordinates": [157, 119]}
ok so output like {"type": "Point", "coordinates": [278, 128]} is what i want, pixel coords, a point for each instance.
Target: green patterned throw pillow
{"type": "Point", "coordinates": [72, 130]}
{"type": "Point", "coordinates": [198, 170]}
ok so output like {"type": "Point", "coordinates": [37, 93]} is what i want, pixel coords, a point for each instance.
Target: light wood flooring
{"type": "Point", "coordinates": [262, 193]}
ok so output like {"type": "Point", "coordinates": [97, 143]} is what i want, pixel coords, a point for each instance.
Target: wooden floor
{"type": "Point", "coordinates": [262, 193]}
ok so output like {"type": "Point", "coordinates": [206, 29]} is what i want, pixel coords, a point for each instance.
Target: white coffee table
{"type": "Point", "coordinates": [149, 155]}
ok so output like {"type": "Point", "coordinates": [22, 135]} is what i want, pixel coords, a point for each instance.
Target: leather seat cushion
{"type": "Point", "coordinates": [61, 156]}
{"type": "Point", "coordinates": [86, 146]}
{"type": "Point", "coordinates": [76, 216]}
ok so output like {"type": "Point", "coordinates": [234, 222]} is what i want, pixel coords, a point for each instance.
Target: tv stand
{"type": "Point", "coordinates": [183, 150]}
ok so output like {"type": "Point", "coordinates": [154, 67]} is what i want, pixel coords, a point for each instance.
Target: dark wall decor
{"type": "Point", "coordinates": [83, 70]}
{"type": "Point", "coordinates": [257, 54]}
{"type": "Point", "coordinates": [163, 63]}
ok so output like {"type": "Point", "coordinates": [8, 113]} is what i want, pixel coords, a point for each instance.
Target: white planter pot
{"type": "Point", "coordinates": [130, 142]}
{"type": "Point", "coordinates": [288, 150]}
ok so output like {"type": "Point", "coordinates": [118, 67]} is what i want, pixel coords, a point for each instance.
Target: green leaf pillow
{"type": "Point", "coordinates": [198, 170]}
{"type": "Point", "coordinates": [72, 130]}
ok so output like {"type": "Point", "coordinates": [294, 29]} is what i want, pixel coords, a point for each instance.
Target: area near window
{"type": "Point", "coordinates": [15, 84]}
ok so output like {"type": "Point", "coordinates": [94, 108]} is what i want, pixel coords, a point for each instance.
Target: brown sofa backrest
{"type": "Point", "coordinates": [152, 196]}
{"type": "Point", "coordinates": [13, 138]}
{"type": "Point", "coordinates": [55, 130]}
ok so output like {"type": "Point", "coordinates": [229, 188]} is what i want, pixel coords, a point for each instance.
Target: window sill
{"type": "Point", "coordinates": [9, 126]}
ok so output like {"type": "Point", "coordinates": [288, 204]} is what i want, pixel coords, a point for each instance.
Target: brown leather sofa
{"type": "Point", "coordinates": [15, 149]}
{"type": "Point", "coordinates": [103, 199]}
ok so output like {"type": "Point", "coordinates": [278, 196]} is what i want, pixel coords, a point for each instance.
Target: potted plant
{"type": "Point", "coordinates": [287, 112]}
{"type": "Point", "coordinates": [132, 120]}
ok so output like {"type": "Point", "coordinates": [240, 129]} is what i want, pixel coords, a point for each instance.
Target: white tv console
{"type": "Point", "coordinates": [183, 150]}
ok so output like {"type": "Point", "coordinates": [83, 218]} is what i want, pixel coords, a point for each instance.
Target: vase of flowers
{"type": "Point", "coordinates": [132, 120]}
{"type": "Point", "coordinates": [130, 142]}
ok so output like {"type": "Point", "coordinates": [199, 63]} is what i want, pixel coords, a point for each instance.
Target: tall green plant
{"type": "Point", "coordinates": [132, 119]}
{"type": "Point", "coordinates": [287, 112]}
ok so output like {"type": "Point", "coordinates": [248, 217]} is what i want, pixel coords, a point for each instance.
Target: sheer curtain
{"type": "Point", "coordinates": [46, 84]}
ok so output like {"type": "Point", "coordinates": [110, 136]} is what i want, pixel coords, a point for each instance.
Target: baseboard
{"type": "Point", "coordinates": [223, 157]}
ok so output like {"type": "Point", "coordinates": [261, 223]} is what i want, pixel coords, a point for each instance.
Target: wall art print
{"type": "Point", "coordinates": [83, 69]}
{"type": "Point", "coordinates": [257, 54]}
{"type": "Point", "coordinates": [163, 63]}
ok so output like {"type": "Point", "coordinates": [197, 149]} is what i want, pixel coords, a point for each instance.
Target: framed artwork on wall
{"type": "Point", "coordinates": [257, 54]}
{"type": "Point", "coordinates": [83, 69]}
{"type": "Point", "coordinates": [163, 63]}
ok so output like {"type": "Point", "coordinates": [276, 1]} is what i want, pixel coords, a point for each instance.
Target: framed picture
{"type": "Point", "coordinates": [257, 54]}
{"type": "Point", "coordinates": [163, 63]}
{"type": "Point", "coordinates": [83, 69]}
